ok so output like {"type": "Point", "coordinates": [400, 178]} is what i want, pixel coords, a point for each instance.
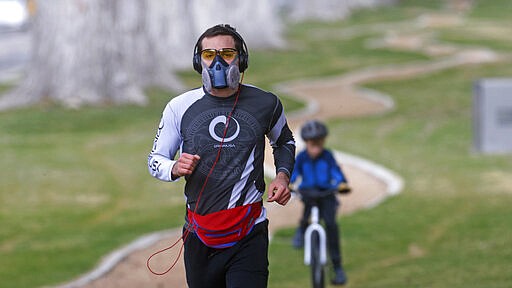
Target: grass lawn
{"type": "Point", "coordinates": [74, 184]}
{"type": "Point", "coordinates": [451, 225]}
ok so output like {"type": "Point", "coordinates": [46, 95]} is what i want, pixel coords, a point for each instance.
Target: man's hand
{"type": "Point", "coordinates": [278, 189]}
{"type": "Point", "coordinates": [185, 165]}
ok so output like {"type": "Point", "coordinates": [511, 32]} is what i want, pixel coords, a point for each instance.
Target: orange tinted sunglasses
{"type": "Point", "coordinates": [227, 54]}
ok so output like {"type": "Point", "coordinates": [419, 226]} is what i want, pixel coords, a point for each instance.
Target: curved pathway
{"type": "Point", "coordinates": [126, 266]}
{"type": "Point", "coordinates": [337, 97]}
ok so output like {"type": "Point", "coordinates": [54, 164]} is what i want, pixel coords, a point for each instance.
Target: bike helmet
{"type": "Point", "coordinates": [313, 130]}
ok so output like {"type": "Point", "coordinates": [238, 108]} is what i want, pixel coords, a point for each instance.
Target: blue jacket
{"type": "Point", "coordinates": [322, 173]}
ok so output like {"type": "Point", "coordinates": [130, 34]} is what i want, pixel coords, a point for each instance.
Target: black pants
{"type": "Point", "coordinates": [243, 265]}
{"type": "Point", "coordinates": [327, 206]}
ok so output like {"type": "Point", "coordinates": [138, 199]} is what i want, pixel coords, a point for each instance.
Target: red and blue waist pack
{"type": "Point", "coordinates": [223, 229]}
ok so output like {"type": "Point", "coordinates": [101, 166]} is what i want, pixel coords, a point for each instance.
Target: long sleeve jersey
{"type": "Point", "coordinates": [194, 123]}
{"type": "Point", "coordinates": [321, 173]}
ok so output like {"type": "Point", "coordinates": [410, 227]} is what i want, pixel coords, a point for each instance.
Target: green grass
{"type": "Point", "coordinates": [4, 88]}
{"type": "Point", "coordinates": [451, 226]}
{"type": "Point", "coordinates": [492, 10]}
{"type": "Point", "coordinates": [74, 184]}
{"type": "Point", "coordinates": [457, 198]}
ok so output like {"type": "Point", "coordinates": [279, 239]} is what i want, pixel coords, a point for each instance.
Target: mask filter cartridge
{"type": "Point", "coordinates": [220, 75]}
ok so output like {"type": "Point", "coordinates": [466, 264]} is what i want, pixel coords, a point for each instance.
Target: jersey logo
{"type": "Point", "coordinates": [222, 120]}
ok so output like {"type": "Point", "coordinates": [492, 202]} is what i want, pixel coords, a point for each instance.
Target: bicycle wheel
{"type": "Point", "coordinates": [317, 269]}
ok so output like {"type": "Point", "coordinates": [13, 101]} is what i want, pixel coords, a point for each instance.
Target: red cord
{"type": "Point", "coordinates": [185, 234]}
{"type": "Point", "coordinates": [165, 249]}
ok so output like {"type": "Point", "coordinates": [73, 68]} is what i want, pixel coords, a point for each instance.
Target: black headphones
{"type": "Point", "coordinates": [243, 55]}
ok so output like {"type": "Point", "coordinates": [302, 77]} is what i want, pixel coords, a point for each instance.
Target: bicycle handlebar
{"type": "Point", "coordinates": [317, 194]}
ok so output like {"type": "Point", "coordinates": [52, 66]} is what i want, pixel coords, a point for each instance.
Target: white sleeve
{"type": "Point", "coordinates": [167, 143]}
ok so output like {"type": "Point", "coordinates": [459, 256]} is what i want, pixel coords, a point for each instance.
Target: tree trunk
{"type": "Point", "coordinates": [94, 52]}
{"type": "Point", "coordinates": [91, 52]}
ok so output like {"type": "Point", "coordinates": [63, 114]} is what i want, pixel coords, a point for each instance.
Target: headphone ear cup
{"type": "Point", "coordinates": [243, 62]}
{"type": "Point", "coordinates": [196, 62]}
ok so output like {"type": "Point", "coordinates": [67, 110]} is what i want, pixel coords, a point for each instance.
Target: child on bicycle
{"type": "Point", "coordinates": [320, 177]}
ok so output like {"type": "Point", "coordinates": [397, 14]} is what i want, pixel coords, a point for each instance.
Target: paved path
{"type": "Point", "coordinates": [129, 263]}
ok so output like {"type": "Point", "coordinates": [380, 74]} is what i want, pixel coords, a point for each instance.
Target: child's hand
{"type": "Point", "coordinates": [343, 188]}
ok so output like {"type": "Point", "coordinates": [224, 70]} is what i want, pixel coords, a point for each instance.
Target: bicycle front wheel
{"type": "Point", "coordinates": [317, 269]}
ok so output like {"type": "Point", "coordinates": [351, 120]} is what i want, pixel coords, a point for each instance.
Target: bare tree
{"type": "Point", "coordinates": [92, 52]}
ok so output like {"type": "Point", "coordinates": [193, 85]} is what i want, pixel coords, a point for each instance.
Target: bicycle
{"type": "Point", "coordinates": [315, 238]}
{"type": "Point", "coordinates": [315, 248]}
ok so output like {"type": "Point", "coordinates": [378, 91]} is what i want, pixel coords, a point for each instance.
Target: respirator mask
{"type": "Point", "coordinates": [220, 74]}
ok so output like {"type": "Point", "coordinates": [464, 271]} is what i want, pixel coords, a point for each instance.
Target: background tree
{"type": "Point", "coordinates": [90, 52]}
{"type": "Point", "coordinates": [95, 52]}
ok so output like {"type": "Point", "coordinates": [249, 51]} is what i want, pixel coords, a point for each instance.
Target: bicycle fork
{"type": "Point", "coordinates": [314, 226]}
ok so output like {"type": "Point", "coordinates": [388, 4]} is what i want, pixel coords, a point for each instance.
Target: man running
{"type": "Point", "coordinates": [219, 131]}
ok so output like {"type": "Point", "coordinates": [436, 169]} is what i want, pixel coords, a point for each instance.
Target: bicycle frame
{"type": "Point", "coordinates": [315, 226]}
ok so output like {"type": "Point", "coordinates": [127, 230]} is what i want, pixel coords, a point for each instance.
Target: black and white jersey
{"type": "Point", "coordinates": [194, 123]}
